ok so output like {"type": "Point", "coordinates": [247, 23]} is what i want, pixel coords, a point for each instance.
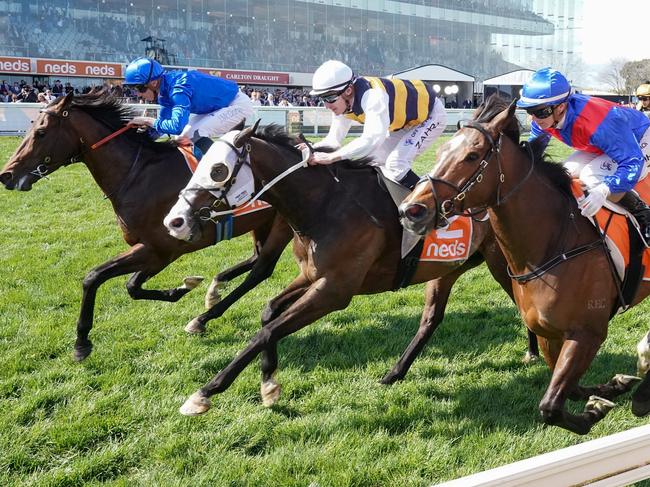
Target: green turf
{"type": "Point", "coordinates": [467, 405]}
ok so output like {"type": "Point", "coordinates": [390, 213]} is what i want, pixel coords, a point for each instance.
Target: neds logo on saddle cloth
{"type": "Point", "coordinates": [448, 244]}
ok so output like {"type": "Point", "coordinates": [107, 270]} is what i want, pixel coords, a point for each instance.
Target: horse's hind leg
{"type": "Point", "coordinates": [436, 296]}
{"type": "Point", "coordinates": [269, 254]}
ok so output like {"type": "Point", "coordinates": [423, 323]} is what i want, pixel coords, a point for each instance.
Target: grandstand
{"type": "Point", "coordinates": [374, 36]}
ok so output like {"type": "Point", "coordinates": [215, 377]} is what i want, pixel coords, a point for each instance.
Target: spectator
{"type": "Point", "coordinates": [57, 89]}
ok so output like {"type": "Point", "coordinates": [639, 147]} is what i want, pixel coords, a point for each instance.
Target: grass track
{"type": "Point", "coordinates": [468, 403]}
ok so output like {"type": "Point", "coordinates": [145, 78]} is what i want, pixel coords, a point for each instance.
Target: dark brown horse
{"type": "Point", "coordinates": [563, 286]}
{"type": "Point", "coordinates": [142, 179]}
{"type": "Point", "coordinates": [347, 243]}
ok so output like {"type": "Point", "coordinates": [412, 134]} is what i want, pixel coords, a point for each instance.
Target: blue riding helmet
{"type": "Point", "coordinates": [142, 70]}
{"type": "Point", "coordinates": [547, 87]}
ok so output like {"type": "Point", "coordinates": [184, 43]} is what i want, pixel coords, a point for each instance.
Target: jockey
{"type": "Point", "coordinates": [400, 119]}
{"type": "Point", "coordinates": [612, 142]}
{"type": "Point", "coordinates": [643, 94]}
{"type": "Point", "coordinates": [194, 105]}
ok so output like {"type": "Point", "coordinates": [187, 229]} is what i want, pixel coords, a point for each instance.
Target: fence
{"type": "Point", "coordinates": [16, 118]}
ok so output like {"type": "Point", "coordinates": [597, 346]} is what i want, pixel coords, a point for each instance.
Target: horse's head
{"type": "Point", "coordinates": [47, 146]}
{"type": "Point", "coordinates": [223, 180]}
{"type": "Point", "coordinates": [467, 173]}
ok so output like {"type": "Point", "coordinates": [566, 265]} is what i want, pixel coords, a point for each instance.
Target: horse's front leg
{"type": "Point", "coordinates": [575, 356]}
{"type": "Point", "coordinates": [262, 269]}
{"type": "Point", "coordinates": [135, 259]}
{"type": "Point", "coordinates": [436, 296]}
{"type": "Point", "coordinates": [319, 299]}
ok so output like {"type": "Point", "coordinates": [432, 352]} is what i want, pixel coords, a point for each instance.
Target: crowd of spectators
{"type": "Point", "coordinates": [58, 29]}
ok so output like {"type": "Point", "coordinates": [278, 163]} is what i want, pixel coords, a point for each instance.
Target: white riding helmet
{"type": "Point", "coordinates": [332, 76]}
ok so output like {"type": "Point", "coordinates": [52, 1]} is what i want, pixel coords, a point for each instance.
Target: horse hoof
{"type": "Point", "coordinates": [270, 391]}
{"type": "Point", "coordinates": [640, 408]}
{"type": "Point", "coordinates": [80, 353]}
{"type": "Point", "coordinates": [213, 295]}
{"type": "Point", "coordinates": [626, 381]}
{"type": "Point", "coordinates": [191, 282]}
{"type": "Point", "coordinates": [530, 358]}
{"type": "Point", "coordinates": [390, 379]}
{"type": "Point", "coordinates": [195, 327]}
{"type": "Point", "coordinates": [196, 404]}
{"type": "Point", "coordinates": [596, 403]}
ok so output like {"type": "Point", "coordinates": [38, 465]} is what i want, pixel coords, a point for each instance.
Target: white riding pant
{"type": "Point", "coordinates": [593, 168]}
{"type": "Point", "coordinates": [403, 146]}
{"type": "Point", "coordinates": [217, 123]}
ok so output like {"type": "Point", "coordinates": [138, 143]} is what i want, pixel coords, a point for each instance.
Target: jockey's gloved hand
{"type": "Point", "coordinates": [595, 200]}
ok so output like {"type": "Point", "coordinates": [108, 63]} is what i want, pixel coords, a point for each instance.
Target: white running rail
{"type": "Point", "coordinates": [616, 460]}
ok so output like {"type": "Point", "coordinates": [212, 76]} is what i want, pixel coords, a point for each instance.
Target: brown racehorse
{"type": "Point", "coordinates": [142, 179]}
{"type": "Point", "coordinates": [347, 243]}
{"type": "Point", "coordinates": [563, 285]}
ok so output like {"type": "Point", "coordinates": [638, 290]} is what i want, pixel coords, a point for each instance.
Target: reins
{"type": "Point", "coordinates": [208, 213]}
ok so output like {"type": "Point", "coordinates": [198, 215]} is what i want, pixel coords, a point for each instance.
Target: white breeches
{"type": "Point", "coordinates": [217, 123]}
{"type": "Point", "coordinates": [593, 168]}
{"type": "Point", "coordinates": [396, 154]}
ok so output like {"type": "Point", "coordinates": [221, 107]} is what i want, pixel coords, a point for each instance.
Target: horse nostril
{"type": "Point", "coordinates": [5, 178]}
{"type": "Point", "coordinates": [415, 212]}
{"type": "Point", "coordinates": [177, 222]}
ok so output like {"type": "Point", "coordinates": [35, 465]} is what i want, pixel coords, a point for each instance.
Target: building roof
{"type": "Point", "coordinates": [433, 72]}
{"type": "Point", "coordinates": [518, 77]}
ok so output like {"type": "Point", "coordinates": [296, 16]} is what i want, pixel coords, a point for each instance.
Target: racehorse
{"type": "Point", "coordinates": [348, 241]}
{"type": "Point", "coordinates": [141, 178]}
{"type": "Point", "coordinates": [563, 285]}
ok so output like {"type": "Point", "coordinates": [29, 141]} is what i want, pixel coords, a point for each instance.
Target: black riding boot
{"type": "Point", "coordinates": [641, 211]}
{"type": "Point", "coordinates": [203, 143]}
{"type": "Point", "coordinates": [410, 180]}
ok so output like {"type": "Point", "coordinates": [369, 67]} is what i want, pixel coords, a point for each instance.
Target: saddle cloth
{"type": "Point", "coordinates": [192, 164]}
{"type": "Point", "coordinates": [617, 236]}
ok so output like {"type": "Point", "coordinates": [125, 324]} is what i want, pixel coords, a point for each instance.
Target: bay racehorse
{"type": "Point", "coordinates": [562, 282]}
{"type": "Point", "coordinates": [141, 178]}
{"type": "Point", "coordinates": [347, 242]}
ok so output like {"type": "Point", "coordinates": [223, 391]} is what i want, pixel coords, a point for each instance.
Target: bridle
{"type": "Point", "coordinates": [211, 212]}
{"type": "Point", "coordinates": [448, 207]}
{"type": "Point", "coordinates": [42, 170]}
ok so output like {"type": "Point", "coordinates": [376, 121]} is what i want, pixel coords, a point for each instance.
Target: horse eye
{"type": "Point", "coordinates": [40, 133]}
{"type": "Point", "coordinates": [472, 157]}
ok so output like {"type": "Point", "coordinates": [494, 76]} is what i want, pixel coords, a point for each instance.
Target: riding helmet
{"type": "Point", "coordinates": [547, 87]}
{"type": "Point", "coordinates": [142, 70]}
{"type": "Point", "coordinates": [331, 77]}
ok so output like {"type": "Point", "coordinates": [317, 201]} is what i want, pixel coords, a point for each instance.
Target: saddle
{"type": "Point", "coordinates": [627, 252]}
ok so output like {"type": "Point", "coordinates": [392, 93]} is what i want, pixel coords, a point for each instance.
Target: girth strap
{"type": "Point", "coordinates": [547, 266]}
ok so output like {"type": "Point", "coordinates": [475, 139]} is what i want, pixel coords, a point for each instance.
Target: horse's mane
{"type": "Point", "coordinates": [276, 134]}
{"type": "Point", "coordinates": [107, 108]}
{"type": "Point", "coordinates": [555, 172]}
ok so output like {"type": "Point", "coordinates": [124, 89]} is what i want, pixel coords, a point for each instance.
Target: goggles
{"type": "Point", "coordinates": [540, 112]}
{"type": "Point", "coordinates": [643, 98]}
{"type": "Point", "coordinates": [140, 88]}
{"type": "Point", "coordinates": [332, 96]}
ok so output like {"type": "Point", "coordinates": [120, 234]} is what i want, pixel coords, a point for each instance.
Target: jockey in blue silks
{"type": "Point", "coordinates": [612, 141]}
{"type": "Point", "coordinates": [194, 105]}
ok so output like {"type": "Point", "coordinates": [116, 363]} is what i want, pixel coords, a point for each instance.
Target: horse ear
{"type": "Point", "coordinates": [501, 121]}
{"type": "Point", "coordinates": [65, 101]}
{"type": "Point", "coordinates": [246, 134]}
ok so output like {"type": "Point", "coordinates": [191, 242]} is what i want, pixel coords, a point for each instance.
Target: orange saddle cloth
{"type": "Point", "coordinates": [450, 244]}
{"type": "Point", "coordinates": [617, 236]}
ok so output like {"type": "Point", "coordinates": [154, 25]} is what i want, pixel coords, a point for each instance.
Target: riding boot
{"type": "Point", "coordinates": [203, 143]}
{"type": "Point", "coordinates": [640, 210]}
{"type": "Point", "coordinates": [409, 180]}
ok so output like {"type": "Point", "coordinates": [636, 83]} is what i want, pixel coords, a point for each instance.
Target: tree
{"type": "Point", "coordinates": [636, 73]}
{"type": "Point", "coordinates": [613, 77]}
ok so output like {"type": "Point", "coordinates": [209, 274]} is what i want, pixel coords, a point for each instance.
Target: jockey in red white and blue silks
{"type": "Point", "coordinates": [194, 105]}
{"type": "Point", "coordinates": [612, 141]}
